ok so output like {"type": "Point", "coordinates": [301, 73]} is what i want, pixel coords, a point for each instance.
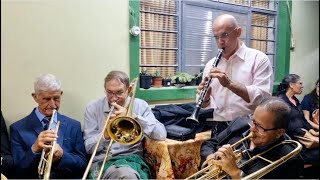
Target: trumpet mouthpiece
{"type": "Point", "coordinates": [252, 134]}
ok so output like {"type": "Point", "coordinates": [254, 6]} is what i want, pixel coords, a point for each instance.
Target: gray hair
{"type": "Point", "coordinates": [47, 82]}
{"type": "Point", "coordinates": [285, 83]}
{"type": "Point", "coordinates": [279, 108]}
{"type": "Point", "coordinates": [119, 75]}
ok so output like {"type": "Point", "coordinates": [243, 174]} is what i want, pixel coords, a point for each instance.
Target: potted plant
{"type": "Point", "coordinates": [182, 78]}
{"type": "Point", "coordinates": [157, 79]}
{"type": "Point", "coordinates": [192, 82]}
{"type": "Point", "coordinates": [145, 80]}
{"type": "Point", "coordinates": [166, 81]}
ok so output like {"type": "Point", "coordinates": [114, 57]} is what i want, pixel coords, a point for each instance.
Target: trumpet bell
{"type": "Point", "coordinates": [124, 130]}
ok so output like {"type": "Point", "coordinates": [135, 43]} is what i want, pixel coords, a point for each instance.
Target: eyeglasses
{"type": "Point", "coordinates": [224, 35]}
{"type": "Point", "coordinates": [252, 122]}
{"type": "Point", "coordinates": [117, 94]}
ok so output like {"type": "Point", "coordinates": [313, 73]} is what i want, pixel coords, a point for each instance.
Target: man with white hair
{"type": "Point", "coordinates": [31, 135]}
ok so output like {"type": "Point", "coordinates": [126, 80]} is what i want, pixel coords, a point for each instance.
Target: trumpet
{"type": "Point", "coordinates": [121, 129]}
{"type": "Point", "coordinates": [45, 164]}
{"type": "Point", "coordinates": [214, 171]}
{"type": "Point", "coordinates": [193, 119]}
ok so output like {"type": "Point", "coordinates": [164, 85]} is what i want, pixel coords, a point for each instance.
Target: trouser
{"type": "Point", "coordinates": [218, 126]}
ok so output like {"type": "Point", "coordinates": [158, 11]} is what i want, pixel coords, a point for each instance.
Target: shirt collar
{"type": "Point", "coordinates": [106, 107]}
{"type": "Point", "coordinates": [41, 116]}
{"type": "Point", "coordinates": [240, 52]}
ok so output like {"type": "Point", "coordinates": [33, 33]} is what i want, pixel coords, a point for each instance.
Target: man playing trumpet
{"type": "Point", "coordinates": [125, 161]}
{"type": "Point", "coordinates": [30, 135]}
{"type": "Point", "coordinates": [268, 124]}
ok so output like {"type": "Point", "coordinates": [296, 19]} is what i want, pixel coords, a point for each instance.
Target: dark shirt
{"type": "Point", "coordinates": [297, 120]}
{"type": "Point", "coordinates": [7, 161]}
{"type": "Point", "coordinates": [238, 129]}
{"type": "Point", "coordinates": [307, 104]}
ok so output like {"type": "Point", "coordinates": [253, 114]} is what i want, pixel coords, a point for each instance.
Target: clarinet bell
{"type": "Point", "coordinates": [193, 119]}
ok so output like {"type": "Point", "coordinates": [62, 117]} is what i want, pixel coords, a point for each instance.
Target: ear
{"type": "Point", "coordinates": [239, 31]}
{"type": "Point", "coordinates": [129, 89]}
{"type": "Point", "coordinates": [280, 132]}
{"type": "Point", "coordinates": [290, 85]}
{"type": "Point", "coordinates": [34, 96]}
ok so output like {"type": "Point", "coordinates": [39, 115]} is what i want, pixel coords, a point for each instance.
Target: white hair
{"type": "Point", "coordinates": [47, 82]}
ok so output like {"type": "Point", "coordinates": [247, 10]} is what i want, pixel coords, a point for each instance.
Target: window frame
{"type": "Point", "coordinates": [282, 54]}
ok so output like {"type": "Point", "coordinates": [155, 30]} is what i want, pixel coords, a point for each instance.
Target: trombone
{"type": "Point", "coordinates": [45, 164]}
{"type": "Point", "coordinates": [214, 171]}
{"type": "Point", "coordinates": [121, 129]}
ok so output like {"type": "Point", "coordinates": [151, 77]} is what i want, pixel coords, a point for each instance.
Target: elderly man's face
{"type": "Point", "coordinates": [226, 36]}
{"type": "Point", "coordinates": [116, 92]}
{"type": "Point", "coordinates": [47, 101]}
{"type": "Point", "coordinates": [262, 124]}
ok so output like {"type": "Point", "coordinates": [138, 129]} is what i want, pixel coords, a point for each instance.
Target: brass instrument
{"type": "Point", "coordinates": [3, 177]}
{"type": "Point", "coordinates": [121, 129]}
{"type": "Point", "coordinates": [215, 172]}
{"type": "Point", "coordinates": [193, 119]}
{"type": "Point", "coordinates": [45, 164]}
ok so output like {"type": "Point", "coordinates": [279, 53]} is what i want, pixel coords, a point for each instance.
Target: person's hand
{"type": "Point", "coordinates": [224, 80]}
{"type": "Point", "coordinates": [314, 133]}
{"type": "Point", "coordinates": [226, 159]}
{"type": "Point", "coordinates": [210, 158]}
{"type": "Point", "coordinates": [134, 116]}
{"type": "Point", "coordinates": [44, 140]}
{"type": "Point", "coordinates": [118, 110]}
{"type": "Point", "coordinates": [58, 153]}
{"type": "Point", "coordinates": [201, 86]}
{"type": "Point", "coordinates": [308, 135]}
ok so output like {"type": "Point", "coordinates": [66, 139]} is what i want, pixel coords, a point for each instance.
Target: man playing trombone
{"type": "Point", "coordinates": [267, 124]}
{"type": "Point", "coordinates": [125, 161]}
{"type": "Point", "coordinates": [31, 136]}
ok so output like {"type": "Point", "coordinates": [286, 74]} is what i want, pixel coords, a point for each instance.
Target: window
{"type": "Point", "coordinates": [170, 43]}
{"type": "Point", "coordinates": [177, 35]}
{"type": "Point", "coordinates": [159, 36]}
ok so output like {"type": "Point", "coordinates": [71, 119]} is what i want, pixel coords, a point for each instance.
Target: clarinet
{"type": "Point", "coordinates": [193, 119]}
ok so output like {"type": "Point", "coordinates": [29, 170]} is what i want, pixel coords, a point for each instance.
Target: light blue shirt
{"type": "Point", "coordinates": [41, 116]}
{"type": "Point", "coordinates": [95, 117]}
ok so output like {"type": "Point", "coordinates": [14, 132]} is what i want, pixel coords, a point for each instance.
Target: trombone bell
{"type": "Point", "coordinates": [124, 130]}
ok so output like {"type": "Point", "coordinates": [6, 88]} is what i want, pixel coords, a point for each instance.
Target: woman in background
{"type": "Point", "coordinates": [310, 107]}
{"type": "Point", "coordinates": [290, 86]}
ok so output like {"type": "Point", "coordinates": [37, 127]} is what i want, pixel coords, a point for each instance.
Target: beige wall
{"type": "Point", "coordinates": [305, 31]}
{"type": "Point", "coordinates": [78, 41]}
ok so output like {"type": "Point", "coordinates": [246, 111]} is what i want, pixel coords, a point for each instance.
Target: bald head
{"type": "Point", "coordinates": [225, 21]}
{"type": "Point", "coordinates": [226, 31]}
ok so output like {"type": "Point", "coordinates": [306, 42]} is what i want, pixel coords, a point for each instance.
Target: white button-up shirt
{"type": "Point", "coordinates": [249, 67]}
